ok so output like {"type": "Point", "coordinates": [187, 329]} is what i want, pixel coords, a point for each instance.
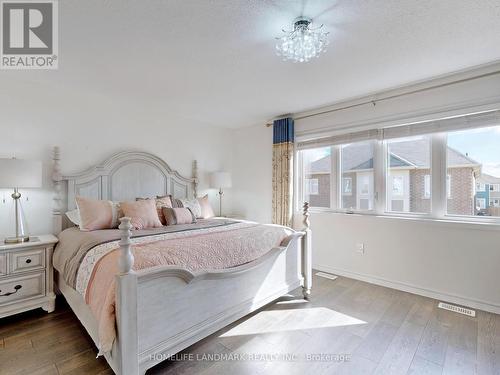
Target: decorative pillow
{"type": "Point", "coordinates": [193, 205]}
{"type": "Point", "coordinates": [174, 216]}
{"type": "Point", "coordinates": [94, 214]}
{"type": "Point", "coordinates": [206, 209]}
{"type": "Point", "coordinates": [142, 213]}
{"type": "Point", "coordinates": [74, 217]}
{"type": "Point", "coordinates": [176, 203]}
{"type": "Point", "coordinates": [160, 202]}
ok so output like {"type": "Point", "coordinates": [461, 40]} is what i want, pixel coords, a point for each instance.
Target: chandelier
{"type": "Point", "coordinates": [303, 43]}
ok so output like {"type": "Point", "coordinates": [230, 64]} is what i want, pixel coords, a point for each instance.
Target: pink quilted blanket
{"type": "Point", "coordinates": [224, 247]}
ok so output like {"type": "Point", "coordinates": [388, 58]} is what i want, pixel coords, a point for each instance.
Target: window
{"type": "Point", "coordinates": [316, 169]}
{"type": "Point", "coordinates": [312, 186]}
{"type": "Point", "coordinates": [480, 204]}
{"type": "Point", "coordinates": [347, 186]}
{"type": "Point", "coordinates": [357, 166]}
{"type": "Point", "coordinates": [427, 186]}
{"type": "Point", "coordinates": [390, 170]}
{"type": "Point", "coordinates": [473, 154]}
{"type": "Point", "coordinates": [408, 175]}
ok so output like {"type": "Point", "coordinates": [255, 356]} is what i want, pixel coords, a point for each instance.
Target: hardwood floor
{"type": "Point", "coordinates": [378, 330]}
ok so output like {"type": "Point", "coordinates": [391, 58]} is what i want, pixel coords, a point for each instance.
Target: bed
{"type": "Point", "coordinates": [162, 310]}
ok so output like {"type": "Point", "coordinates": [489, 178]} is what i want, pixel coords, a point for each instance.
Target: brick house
{"type": "Point", "coordinates": [487, 198]}
{"type": "Point", "coordinates": [409, 181]}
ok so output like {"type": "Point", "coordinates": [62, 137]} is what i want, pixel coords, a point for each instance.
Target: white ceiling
{"type": "Point", "coordinates": [213, 62]}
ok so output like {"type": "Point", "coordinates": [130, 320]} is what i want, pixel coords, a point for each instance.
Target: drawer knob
{"type": "Point", "coordinates": [16, 288]}
{"type": "Point", "coordinates": [28, 260]}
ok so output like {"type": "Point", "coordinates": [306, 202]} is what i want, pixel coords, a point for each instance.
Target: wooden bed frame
{"type": "Point", "coordinates": [163, 310]}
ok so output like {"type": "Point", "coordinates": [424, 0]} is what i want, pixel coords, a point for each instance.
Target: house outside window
{"type": "Point", "coordinates": [356, 162]}
{"type": "Point", "coordinates": [312, 186]}
{"type": "Point", "coordinates": [480, 203]}
{"type": "Point", "coordinates": [316, 172]}
{"type": "Point", "coordinates": [494, 202]}
{"type": "Point", "coordinates": [348, 176]}
{"type": "Point", "coordinates": [347, 186]}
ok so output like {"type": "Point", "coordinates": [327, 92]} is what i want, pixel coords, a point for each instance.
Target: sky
{"type": "Point", "coordinates": [482, 145]}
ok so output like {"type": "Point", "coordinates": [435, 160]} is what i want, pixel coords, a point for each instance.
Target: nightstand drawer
{"type": "Point", "coordinates": [22, 287]}
{"type": "Point", "coordinates": [27, 260]}
{"type": "Point", "coordinates": [3, 264]}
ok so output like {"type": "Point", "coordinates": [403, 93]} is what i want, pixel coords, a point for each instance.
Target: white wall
{"type": "Point", "coordinates": [252, 173]}
{"type": "Point", "coordinates": [451, 261]}
{"type": "Point", "coordinates": [89, 128]}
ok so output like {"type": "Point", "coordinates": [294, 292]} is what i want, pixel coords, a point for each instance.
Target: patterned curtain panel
{"type": "Point", "coordinates": [283, 137]}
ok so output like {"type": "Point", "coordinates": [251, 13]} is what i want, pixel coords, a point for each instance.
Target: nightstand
{"type": "Point", "coordinates": [27, 275]}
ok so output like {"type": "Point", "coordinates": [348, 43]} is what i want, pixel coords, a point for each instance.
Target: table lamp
{"type": "Point", "coordinates": [15, 174]}
{"type": "Point", "coordinates": [220, 180]}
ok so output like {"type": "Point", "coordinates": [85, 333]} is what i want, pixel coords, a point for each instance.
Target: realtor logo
{"type": "Point", "coordinates": [29, 34]}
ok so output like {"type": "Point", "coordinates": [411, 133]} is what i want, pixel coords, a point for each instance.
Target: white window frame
{"type": "Point", "coordinates": [440, 190]}
{"type": "Point", "coordinates": [494, 187]}
{"type": "Point", "coordinates": [480, 187]}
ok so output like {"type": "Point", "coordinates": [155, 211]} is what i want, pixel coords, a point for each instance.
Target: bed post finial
{"type": "Point", "coordinates": [57, 200]}
{"type": "Point", "coordinates": [126, 258]}
{"type": "Point", "coordinates": [306, 214]}
{"type": "Point", "coordinates": [195, 178]}
{"type": "Point", "coordinates": [307, 252]}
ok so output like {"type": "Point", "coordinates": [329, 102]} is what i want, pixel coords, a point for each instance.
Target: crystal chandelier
{"type": "Point", "coordinates": [303, 43]}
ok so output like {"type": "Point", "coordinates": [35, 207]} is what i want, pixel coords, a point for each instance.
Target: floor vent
{"type": "Point", "coordinates": [457, 309]}
{"type": "Point", "coordinates": [326, 275]}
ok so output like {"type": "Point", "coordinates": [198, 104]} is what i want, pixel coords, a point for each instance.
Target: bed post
{"type": "Point", "coordinates": [126, 304]}
{"type": "Point", "coordinates": [57, 200]}
{"type": "Point", "coordinates": [195, 179]}
{"type": "Point", "coordinates": [307, 252]}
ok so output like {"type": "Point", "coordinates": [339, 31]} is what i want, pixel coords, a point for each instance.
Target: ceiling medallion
{"type": "Point", "coordinates": [303, 43]}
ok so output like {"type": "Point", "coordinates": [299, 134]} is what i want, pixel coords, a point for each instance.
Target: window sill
{"type": "Point", "coordinates": [447, 221]}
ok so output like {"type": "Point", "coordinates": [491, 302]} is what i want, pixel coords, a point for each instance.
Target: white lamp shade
{"type": "Point", "coordinates": [220, 180]}
{"type": "Point", "coordinates": [17, 173]}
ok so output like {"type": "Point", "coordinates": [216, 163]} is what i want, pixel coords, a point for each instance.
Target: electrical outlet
{"type": "Point", "coordinates": [360, 248]}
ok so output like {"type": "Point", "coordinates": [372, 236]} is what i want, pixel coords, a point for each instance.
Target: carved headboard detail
{"type": "Point", "coordinates": [122, 177]}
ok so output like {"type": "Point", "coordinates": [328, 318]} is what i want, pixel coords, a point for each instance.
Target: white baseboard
{"type": "Point", "coordinates": [438, 295]}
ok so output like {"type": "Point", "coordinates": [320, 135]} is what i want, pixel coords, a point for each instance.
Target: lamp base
{"type": "Point", "coordinates": [11, 240]}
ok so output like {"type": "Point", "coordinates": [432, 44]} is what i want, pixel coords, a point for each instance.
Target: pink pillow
{"type": "Point", "coordinates": [94, 214]}
{"type": "Point", "coordinates": [161, 201]}
{"type": "Point", "coordinates": [142, 213]}
{"type": "Point", "coordinates": [206, 209]}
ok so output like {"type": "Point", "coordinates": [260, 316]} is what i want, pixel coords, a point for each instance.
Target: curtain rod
{"type": "Point", "coordinates": [375, 101]}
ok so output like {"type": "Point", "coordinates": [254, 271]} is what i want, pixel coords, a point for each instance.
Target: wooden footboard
{"type": "Point", "coordinates": [163, 310]}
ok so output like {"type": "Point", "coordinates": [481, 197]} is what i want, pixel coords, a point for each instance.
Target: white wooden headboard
{"type": "Point", "coordinates": [122, 177]}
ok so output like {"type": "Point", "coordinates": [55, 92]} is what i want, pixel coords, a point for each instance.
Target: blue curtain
{"type": "Point", "coordinates": [283, 138]}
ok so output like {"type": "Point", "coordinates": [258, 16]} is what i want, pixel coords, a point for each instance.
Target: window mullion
{"type": "Point", "coordinates": [335, 178]}
{"type": "Point", "coordinates": [438, 175]}
{"type": "Point", "coordinates": [379, 172]}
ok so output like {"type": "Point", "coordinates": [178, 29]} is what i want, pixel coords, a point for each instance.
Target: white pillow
{"type": "Point", "coordinates": [74, 215]}
{"type": "Point", "coordinates": [193, 205]}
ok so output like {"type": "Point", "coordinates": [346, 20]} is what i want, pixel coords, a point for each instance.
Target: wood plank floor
{"type": "Point", "coordinates": [348, 327]}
